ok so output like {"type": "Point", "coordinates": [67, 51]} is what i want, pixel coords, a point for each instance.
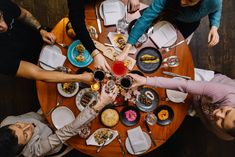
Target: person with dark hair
{"type": "Point", "coordinates": [21, 40]}
{"type": "Point", "coordinates": [214, 100]}
{"type": "Point", "coordinates": [30, 136]}
{"type": "Point", "coordinates": [185, 14]}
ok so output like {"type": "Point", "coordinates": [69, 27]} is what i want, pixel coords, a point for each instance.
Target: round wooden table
{"type": "Point", "coordinates": [48, 94]}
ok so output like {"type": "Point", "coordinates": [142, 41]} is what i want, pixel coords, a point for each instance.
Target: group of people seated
{"type": "Point", "coordinates": [21, 40]}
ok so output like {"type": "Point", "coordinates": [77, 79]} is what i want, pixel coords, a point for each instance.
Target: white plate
{"type": "Point", "coordinates": [176, 96]}
{"type": "Point", "coordinates": [81, 93]}
{"type": "Point", "coordinates": [160, 24]}
{"type": "Point", "coordinates": [121, 4]}
{"type": "Point", "coordinates": [128, 145]}
{"type": "Point", "coordinates": [62, 116]}
{"type": "Point", "coordinates": [63, 93]}
{"type": "Point", "coordinates": [53, 48]}
{"type": "Point", "coordinates": [91, 139]}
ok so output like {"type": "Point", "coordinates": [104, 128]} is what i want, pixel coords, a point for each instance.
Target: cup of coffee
{"type": "Point", "coordinates": [99, 75]}
{"type": "Point", "coordinates": [126, 82]}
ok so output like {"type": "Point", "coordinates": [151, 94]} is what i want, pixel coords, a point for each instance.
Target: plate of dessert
{"type": "Point", "coordinates": [164, 114]}
{"type": "Point", "coordinates": [130, 115]}
{"type": "Point", "coordinates": [85, 97]}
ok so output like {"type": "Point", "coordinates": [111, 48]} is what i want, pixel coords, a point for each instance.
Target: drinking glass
{"type": "Point", "coordinates": [122, 26]}
{"type": "Point", "coordinates": [99, 75]}
{"type": "Point", "coordinates": [151, 118]}
{"type": "Point", "coordinates": [119, 68]}
{"type": "Point", "coordinates": [126, 82]}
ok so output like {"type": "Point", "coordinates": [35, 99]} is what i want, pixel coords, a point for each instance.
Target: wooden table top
{"type": "Point", "coordinates": [48, 94]}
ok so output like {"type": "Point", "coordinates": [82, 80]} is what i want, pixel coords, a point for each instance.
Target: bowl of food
{"type": "Point", "coordinates": [85, 97]}
{"type": "Point", "coordinates": [68, 89]}
{"type": "Point", "coordinates": [164, 114]}
{"type": "Point", "coordinates": [109, 117]}
{"type": "Point", "coordinates": [130, 115]}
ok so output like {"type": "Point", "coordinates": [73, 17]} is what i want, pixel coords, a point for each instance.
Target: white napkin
{"type": "Point", "coordinates": [203, 75]}
{"type": "Point", "coordinates": [112, 12]}
{"type": "Point", "coordinates": [137, 140]}
{"type": "Point", "coordinates": [163, 35]}
{"type": "Point", "coordinates": [50, 56]}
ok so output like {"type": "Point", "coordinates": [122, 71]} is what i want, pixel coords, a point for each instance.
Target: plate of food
{"type": "Point", "coordinates": [130, 115]}
{"type": "Point", "coordinates": [148, 59]}
{"type": "Point", "coordinates": [68, 89]}
{"type": "Point", "coordinates": [78, 55]}
{"type": "Point", "coordinates": [109, 117]}
{"type": "Point", "coordinates": [100, 135]}
{"type": "Point", "coordinates": [117, 40]}
{"type": "Point", "coordinates": [164, 114]}
{"type": "Point", "coordinates": [147, 100]}
{"type": "Point", "coordinates": [176, 96]}
{"type": "Point", "coordinates": [85, 97]}
{"type": "Point", "coordinates": [62, 116]}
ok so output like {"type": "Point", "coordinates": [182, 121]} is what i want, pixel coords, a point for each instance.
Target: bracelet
{"type": "Point", "coordinates": [94, 53]}
{"type": "Point", "coordinates": [42, 27]}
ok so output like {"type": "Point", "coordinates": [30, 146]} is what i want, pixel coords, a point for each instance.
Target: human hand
{"type": "Point", "coordinates": [106, 98]}
{"type": "Point", "coordinates": [138, 80]}
{"type": "Point", "coordinates": [47, 36]}
{"type": "Point", "coordinates": [133, 6]}
{"type": "Point", "coordinates": [213, 36]}
{"type": "Point", "coordinates": [101, 63]}
{"type": "Point", "coordinates": [124, 54]}
{"type": "Point", "coordinates": [87, 78]}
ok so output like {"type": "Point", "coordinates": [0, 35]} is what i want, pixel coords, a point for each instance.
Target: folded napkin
{"type": "Point", "coordinates": [112, 12]}
{"type": "Point", "coordinates": [52, 56]}
{"type": "Point", "coordinates": [137, 140]}
{"type": "Point", "coordinates": [164, 35]}
{"type": "Point", "coordinates": [203, 75]}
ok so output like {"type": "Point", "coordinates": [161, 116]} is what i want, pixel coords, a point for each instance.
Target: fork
{"type": "Point", "coordinates": [59, 102]}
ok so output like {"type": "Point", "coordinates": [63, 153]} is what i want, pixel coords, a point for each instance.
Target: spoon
{"type": "Point", "coordinates": [110, 137]}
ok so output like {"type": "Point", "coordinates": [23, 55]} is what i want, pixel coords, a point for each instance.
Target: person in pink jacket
{"type": "Point", "coordinates": [214, 100]}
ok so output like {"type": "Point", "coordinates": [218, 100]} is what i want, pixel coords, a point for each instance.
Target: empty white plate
{"type": "Point", "coordinates": [62, 116]}
{"type": "Point", "coordinates": [129, 148]}
{"type": "Point", "coordinates": [176, 96]}
{"type": "Point", "coordinates": [46, 49]}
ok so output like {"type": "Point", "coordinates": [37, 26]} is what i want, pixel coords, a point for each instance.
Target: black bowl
{"type": "Point", "coordinates": [170, 112]}
{"type": "Point", "coordinates": [124, 119]}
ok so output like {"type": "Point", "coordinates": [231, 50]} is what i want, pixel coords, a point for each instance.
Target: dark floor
{"type": "Point", "coordinates": [18, 96]}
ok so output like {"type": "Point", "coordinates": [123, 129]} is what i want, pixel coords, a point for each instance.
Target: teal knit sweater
{"type": "Point", "coordinates": [212, 8]}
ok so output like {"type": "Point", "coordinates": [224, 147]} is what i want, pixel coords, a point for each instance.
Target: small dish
{"type": "Point", "coordinates": [150, 96]}
{"type": "Point", "coordinates": [145, 65]}
{"type": "Point", "coordinates": [98, 137]}
{"type": "Point", "coordinates": [164, 114]}
{"type": "Point", "coordinates": [176, 96]}
{"type": "Point", "coordinates": [72, 53]}
{"type": "Point", "coordinates": [62, 116]}
{"type": "Point", "coordinates": [85, 97]}
{"type": "Point", "coordinates": [130, 115]}
{"type": "Point", "coordinates": [69, 91]}
{"type": "Point", "coordinates": [129, 147]}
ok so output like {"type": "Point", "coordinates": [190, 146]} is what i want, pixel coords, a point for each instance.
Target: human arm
{"type": "Point", "coordinates": [142, 24]}
{"type": "Point", "coordinates": [133, 5]}
{"type": "Point", "coordinates": [28, 18]}
{"type": "Point", "coordinates": [77, 18]}
{"type": "Point", "coordinates": [86, 116]}
{"type": "Point", "coordinates": [216, 91]}
{"type": "Point", "coordinates": [32, 71]}
{"type": "Point", "coordinates": [214, 18]}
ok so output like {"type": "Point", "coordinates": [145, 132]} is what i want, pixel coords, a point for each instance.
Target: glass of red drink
{"type": "Point", "coordinates": [119, 68]}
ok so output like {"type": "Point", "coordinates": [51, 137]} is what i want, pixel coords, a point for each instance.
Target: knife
{"type": "Point", "coordinates": [98, 19]}
{"type": "Point", "coordinates": [176, 75]}
{"type": "Point", "coordinates": [150, 134]}
{"type": "Point", "coordinates": [120, 142]}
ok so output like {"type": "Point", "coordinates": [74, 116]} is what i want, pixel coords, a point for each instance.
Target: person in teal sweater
{"type": "Point", "coordinates": [185, 14]}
